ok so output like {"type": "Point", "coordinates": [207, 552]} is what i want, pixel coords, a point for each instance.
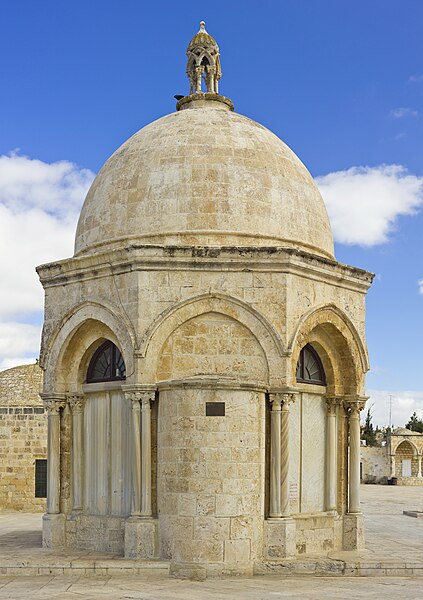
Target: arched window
{"type": "Point", "coordinates": [309, 367]}
{"type": "Point", "coordinates": [107, 364]}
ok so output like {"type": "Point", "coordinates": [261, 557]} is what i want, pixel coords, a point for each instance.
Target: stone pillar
{"type": "Point", "coordinates": [199, 74]}
{"type": "Point", "coordinates": [146, 398]}
{"type": "Point", "coordinates": [393, 467]}
{"type": "Point", "coordinates": [331, 404]}
{"type": "Point", "coordinates": [141, 529]}
{"type": "Point", "coordinates": [53, 521]}
{"type": "Point", "coordinates": [53, 404]}
{"type": "Point", "coordinates": [354, 465]}
{"type": "Point", "coordinates": [279, 531]}
{"type": "Point", "coordinates": [419, 472]}
{"type": "Point", "coordinates": [353, 520]}
{"type": "Point", "coordinates": [275, 456]}
{"type": "Point", "coordinates": [134, 398]}
{"type": "Point", "coordinates": [286, 399]}
{"type": "Point", "coordinates": [76, 403]}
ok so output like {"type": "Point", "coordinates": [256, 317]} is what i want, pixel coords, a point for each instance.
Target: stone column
{"type": "Point", "coordinates": [354, 408]}
{"type": "Point", "coordinates": [53, 405]}
{"type": "Point", "coordinates": [393, 468]}
{"type": "Point", "coordinates": [331, 404]}
{"type": "Point", "coordinates": [76, 403]}
{"type": "Point", "coordinates": [134, 398]}
{"type": "Point", "coordinates": [286, 399]}
{"type": "Point", "coordinates": [275, 456]}
{"type": "Point", "coordinates": [353, 526]}
{"type": "Point", "coordinates": [141, 529]}
{"type": "Point", "coordinates": [146, 398]}
{"type": "Point", "coordinates": [279, 530]}
{"type": "Point", "coordinates": [419, 472]}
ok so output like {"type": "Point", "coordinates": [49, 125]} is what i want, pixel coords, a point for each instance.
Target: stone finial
{"type": "Point", "coordinates": [203, 62]}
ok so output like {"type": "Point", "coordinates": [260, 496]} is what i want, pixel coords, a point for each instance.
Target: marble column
{"type": "Point", "coordinates": [76, 403]}
{"type": "Point", "coordinates": [275, 456]}
{"type": "Point", "coordinates": [53, 404]}
{"type": "Point", "coordinates": [286, 399]}
{"type": "Point", "coordinates": [134, 398]}
{"type": "Point", "coordinates": [419, 472]}
{"type": "Point", "coordinates": [331, 404]}
{"type": "Point", "coordinates": [141, 529]}
{"type": "Point", "coordinates": [354, 408]}
{"type": "Point", "coordinates": [146, 398]}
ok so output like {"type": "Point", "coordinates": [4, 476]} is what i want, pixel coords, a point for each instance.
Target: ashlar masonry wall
{"type": "Point", "coordinates": [23, 437]}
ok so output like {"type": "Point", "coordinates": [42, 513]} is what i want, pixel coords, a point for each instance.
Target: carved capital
{"type": "Point", "coordinates": [281, 399]}
{"type": "Point", "coordinates": [140, 396]}
{"type": "Point", "coordinates": [76, 402]}
{"type": "Point", "coordinates": [53, 404]}
{"type": "Point", "coordinates": [355, 404]}
{"type": "Point", "coordinates": [332, 402]}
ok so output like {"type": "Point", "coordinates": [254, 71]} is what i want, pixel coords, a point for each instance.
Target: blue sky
{"type": "Point", "coordinates": [340, 82]}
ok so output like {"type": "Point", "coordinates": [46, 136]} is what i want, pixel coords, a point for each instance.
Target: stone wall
{"type": "Point", "coordinates": [23, 437]}
{"type": "Point", "coordinates": [211, 477]}
{"type": "Point", "coordinates": [374, 464]}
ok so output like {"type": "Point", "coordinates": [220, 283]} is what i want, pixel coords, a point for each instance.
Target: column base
{"type": "Point", "coordinates": [54, 531]}
{"type": "Point", "coordinates": [279, 538]}
{"type": "Point", "coordinates": [353, 533]}
{"type": "Point", "coordinates": [141, 538]}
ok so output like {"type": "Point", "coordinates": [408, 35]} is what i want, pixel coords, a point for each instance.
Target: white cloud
{"type": "Point", "coordinates": [403, 112]}
{"type": "Point", "coordinates": [404, 403]}
{"type": "Point", "coordinates": [364, 203]}
{"type": "Point", "coordinates": [420, 284]}
{"type": "Point", "coordinates": [39, 207]}
{"type": "Point", "coordinates": [415, 79]}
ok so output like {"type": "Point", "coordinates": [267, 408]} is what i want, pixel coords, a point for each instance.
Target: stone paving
{"type": "Point", "coordinates": [391, 539]}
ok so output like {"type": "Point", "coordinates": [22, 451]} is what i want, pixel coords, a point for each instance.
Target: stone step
{"type": "Point", "coordinates": [332, 567]}
{"type": "Point", "coordinates": [80, 566]}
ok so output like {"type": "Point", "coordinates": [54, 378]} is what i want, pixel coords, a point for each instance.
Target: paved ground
{"type": "Point", "coordinates": [389, 534]}
{"type": "Point", "coordinates": [255, 588]}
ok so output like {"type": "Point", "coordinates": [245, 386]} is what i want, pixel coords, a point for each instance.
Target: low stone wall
{"type": "Point", "coordinates": [23, 437]}
{"type": "Point", "coordinates": [375, 465]}
{"type": "Point", "coordinates": [410, 481]}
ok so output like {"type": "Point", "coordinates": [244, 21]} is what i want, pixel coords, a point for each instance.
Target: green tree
{"type": "Point", "coordinates": [368, 432]}
{"type": "Point", "coordinates": [415, 424]}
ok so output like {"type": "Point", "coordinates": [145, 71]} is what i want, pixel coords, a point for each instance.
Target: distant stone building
{"type": "Point", "coordinates": [204, 352]}
{"type": "Point", "coordinates": [23, 440]}
{"type": "Point", "coordinates": [406, 451]}
{"type": "Point", "coordinates": [401, 459]}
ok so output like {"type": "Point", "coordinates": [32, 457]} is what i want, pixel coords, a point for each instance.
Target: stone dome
{"type": "Point", "coordinates": [204, 176]}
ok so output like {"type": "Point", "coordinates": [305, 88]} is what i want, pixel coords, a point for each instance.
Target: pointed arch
{"type": "Point", "coordinates": [339, 345]}
{"type": "Point", "coordinates": [80, 332]}
{"type": "Point", "coordinates": [168, 321]}
{"type": "Point", "coordinates": [405, 442]}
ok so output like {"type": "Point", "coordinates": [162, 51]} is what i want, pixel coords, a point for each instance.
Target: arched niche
{"type": "Point", "coordinates": [339, 347]}
{"type": "Point", "coordinates": [259, 329]}
{"type": "Point", "coordinates": [405, 452]}
{"type": "Point", "coordinates": [70, 347]}
{"type": "Point", "coordinates": [212, 344]}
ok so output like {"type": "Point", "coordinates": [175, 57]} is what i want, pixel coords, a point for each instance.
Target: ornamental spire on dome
{"type": "Point", "coordinates": [203, 62]}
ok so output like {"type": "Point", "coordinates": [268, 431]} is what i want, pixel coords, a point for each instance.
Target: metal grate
{"type": "Point", "coordinates": [41, 478]}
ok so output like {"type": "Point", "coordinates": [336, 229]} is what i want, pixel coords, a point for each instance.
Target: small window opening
{"type": "Point", "coordinates": [41, 478]}
{"type": "Point", "coordinates": [309, 367]}
{"type": "Point", "coordinates": [107, 364]}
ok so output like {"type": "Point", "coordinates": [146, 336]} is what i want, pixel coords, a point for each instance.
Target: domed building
{"type": "Point", "coordinates": [204, 352]}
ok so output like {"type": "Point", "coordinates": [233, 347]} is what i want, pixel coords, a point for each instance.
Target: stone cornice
{"type": "Point", "coordinates": [235, 259]}
{"type": "Point", "coordinates": [212, 382]}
